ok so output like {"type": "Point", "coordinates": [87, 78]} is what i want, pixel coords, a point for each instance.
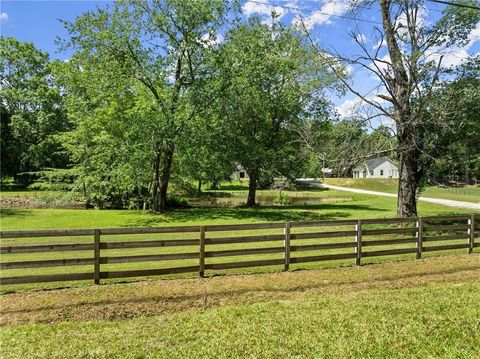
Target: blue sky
{"type": "Point", "coordinates": [38, 22]}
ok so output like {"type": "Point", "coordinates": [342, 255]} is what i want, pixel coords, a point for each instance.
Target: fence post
{"type": "Point", "coordinates": [358, 239]}
{"type": "Point", "coordinates": [471, 231]}
{"type": "Point", "coordinates": [419, 242]}
{"type": "Point", "coordinates": [96, 257]}
{"type": "Point", "coordinates": [201, 263]}
{"type": "Point", "coordinates": [287, 245]}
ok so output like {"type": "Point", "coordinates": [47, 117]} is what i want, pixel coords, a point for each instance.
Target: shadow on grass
{"type": "Point", "coordinates": [7, 212]}
{"type": "Point", "coordinates": [412, 279]}
{"type": "Point", "coordinates": [259, 214]}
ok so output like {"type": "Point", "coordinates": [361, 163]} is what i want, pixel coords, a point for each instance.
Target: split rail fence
{"type": "Point", "coordinates": [206, 247]}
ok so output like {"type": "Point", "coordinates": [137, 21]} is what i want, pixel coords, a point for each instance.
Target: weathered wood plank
{"type": "Point", "coordinates": [147, 272]}
{"type": "Point", "coordinates": [286, 244]}
{"type": "Point", "coordinates": [243, 227]}
{"type": "Point", "coordinates": [450, 227]}
{"type": "Point", "coordinates": [315, 247]}
{"type": "Point", "coordinates": [389, 220]}
{"type": "Point", "coordinates": [47, 233]}
{"type": "Point", "coordinates": [143, 230]}
{"type": "Point", "coordinates": [201, 249]}
{"type": "Point", "coordinates": [245, 239]}
{"type": "Point", "coordinates": [389, 252]}
{"type": "Point", "coordinates": [323, 223]}
{"type": "Point", "coordinates": [147, 258]}
{"type": "Point", "coordinates": [386, 242]}
{"type": "Point", "coordinates": [445, 238]}
{"type": "Point", "coordinates": [446, 218]}
{"type": "Point", "coordinates": [96, 256]}
{"type": "Point", "coordinates": [149, 244]}
{"type": "Point", "coordinates": [46, 278]}
{"type": "Point", "coordinates": [243, 252]}
{"type": "Point", "coordinates": [445, 247]}
{"type": "Point", "coordinates": [326, 257]}
{"type": "Point", "coordinates": [322, 235]}
{"type": "Point", "coordinates": [47, 248]}
{"type": "Point", "coordinates": [376, 232]}
{"type": "Point", "coordinates": [47, 263]}
{"type": "Point", "coordinates": [260, 263]}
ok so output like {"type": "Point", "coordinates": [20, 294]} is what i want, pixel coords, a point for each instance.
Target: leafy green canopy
{"type": "Point", "coordinates": [32, 111]}
{"type": "Point", "coordinates": [269, 82]}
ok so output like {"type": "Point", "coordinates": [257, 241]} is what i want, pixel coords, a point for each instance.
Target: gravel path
{"type": "Point", "coordinates": [445, 202]}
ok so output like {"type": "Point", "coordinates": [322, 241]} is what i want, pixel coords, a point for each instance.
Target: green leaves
{"type": "Point", "coordinates": [32, 111]}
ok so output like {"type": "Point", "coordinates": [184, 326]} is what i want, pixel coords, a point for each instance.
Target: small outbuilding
{"type": "Point", "coordinates": [240, 173]}
{"type": "Point", "coordinates": [380, 167]}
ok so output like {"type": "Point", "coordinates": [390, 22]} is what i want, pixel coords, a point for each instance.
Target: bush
{"type": "Point", "coordinates": [282, 199]}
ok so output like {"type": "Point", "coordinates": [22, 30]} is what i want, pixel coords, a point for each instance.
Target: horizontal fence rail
{"type": "Point", "coordinates": [220, 247]}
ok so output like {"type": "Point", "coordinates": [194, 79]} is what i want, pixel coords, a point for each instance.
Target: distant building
{"type": "Point", "coordinates": [381, 167]}
{"type": "Point", "coordinates": [239, 173]}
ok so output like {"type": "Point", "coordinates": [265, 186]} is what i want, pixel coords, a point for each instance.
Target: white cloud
{"type": "Point", "coordinates": [251, 8]}
{"type": "Point", "coordinates": [212, 40]}
{"type": "Point", "coordinates": [361, 38]}
{"type": "Point", "coordinates": [454, 55]}
{"type": "Point", "coordinates": [351, 107]}
{"type": "Point", "coordinates": [347, 108]}
{"type": "Point", "coordinates": [3, 17]}
{"type": "Point", "coordinates": [325, 13]}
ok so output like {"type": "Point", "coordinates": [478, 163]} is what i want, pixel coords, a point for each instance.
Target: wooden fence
{"type": "Point", "coordinates": [294, 243]}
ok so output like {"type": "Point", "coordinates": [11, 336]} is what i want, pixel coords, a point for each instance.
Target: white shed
{"type": "Point", "coordinates": [381, 167]}
{"type": "Point", "coordinates": [240, 173]}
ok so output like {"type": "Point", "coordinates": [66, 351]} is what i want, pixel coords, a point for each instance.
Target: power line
{"type": "Point", "coordinates": [315, 11]}
{"type": "Point", "coordinates": [456, 4]}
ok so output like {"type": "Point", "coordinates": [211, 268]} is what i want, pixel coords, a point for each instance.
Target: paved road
{"type": "Point", "coordinates": [445, 202]}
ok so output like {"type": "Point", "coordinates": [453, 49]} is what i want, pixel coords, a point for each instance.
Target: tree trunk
{"type": "Point", "coordinates": [252, 189]}
{"type": "Point", "coordinates": [409, 170]}
{"type": "Point", "coordinates": [199, 190]}
{"type": "Point", "coordinates": [162, 166]}
{"type": "Point", "coordinates": [467, 167]}
{"type": "Point", "coordinates": [407, 187]}
{"type": "Point", "coordinates": [405, 123]}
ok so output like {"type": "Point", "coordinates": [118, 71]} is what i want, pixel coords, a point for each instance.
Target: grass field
{"type": "Point", "coordinates": [337, 205]}
{"type": "Point", "coordinates": [410, 309]}
{"type": "Point", "coordinates": [468, 193]}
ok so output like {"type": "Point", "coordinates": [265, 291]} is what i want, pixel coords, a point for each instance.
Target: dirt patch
{"type": "Point", "coordinates": [119, 301]}
{"type": "Point", "coordinates": [33, 201]}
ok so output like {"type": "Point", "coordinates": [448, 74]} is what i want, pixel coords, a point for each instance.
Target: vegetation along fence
{"type": "Point", "coordinates": [35, 256]}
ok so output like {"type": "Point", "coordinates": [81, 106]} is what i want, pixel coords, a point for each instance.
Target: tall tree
{"type": "Point", "coordinates": [31, 111]}
{"type": "Point", "coordinates": [269, 81]}
{"type": "Point", "coordinates": [408, 74]}
{"type": "Point", "coordinates": [161, 46]}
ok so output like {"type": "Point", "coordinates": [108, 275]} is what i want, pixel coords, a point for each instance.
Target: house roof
{"type": "Point", "coordinates": [375, 162]}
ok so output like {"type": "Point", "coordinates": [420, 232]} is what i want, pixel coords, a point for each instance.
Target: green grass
{"type": "Point", "coordinates": [413, 309]}
{"type": "Point", "coordinates": [389, 185]}
{"type": "Point", "coordinates": [352, 206]}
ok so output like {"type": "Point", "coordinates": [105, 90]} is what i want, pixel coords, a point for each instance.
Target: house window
{"type": "Point", "coordinates": [242, 174]}
{"type": "Point", "coordinates": [381, 172]}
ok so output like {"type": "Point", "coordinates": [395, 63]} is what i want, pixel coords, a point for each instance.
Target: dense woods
{"type": "Point", "coordinates": [165, 97]}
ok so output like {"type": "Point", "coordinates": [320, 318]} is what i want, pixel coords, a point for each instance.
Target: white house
{"type": "Point", "coordinates": [381, 167]}
{"type": "Point", "coordinates": [239, 173]}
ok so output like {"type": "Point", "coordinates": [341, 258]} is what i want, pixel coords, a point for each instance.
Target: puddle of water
{"type": "Point", "coordinates": [265, 200]}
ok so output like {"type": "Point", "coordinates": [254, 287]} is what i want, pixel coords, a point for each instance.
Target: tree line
{"type": "Point", "coordinates": [162, 92]}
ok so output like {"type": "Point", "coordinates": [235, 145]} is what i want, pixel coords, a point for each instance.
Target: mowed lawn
{"type": "Point", "coordinates": [411, 309]}
{"type": "Point", "coordinates": [389, 185]}
{"type": "Point", "coordinates": [335, 205]}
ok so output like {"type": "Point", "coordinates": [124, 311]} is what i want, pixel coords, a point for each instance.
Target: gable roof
{"type": "Point", "coordinates": [375, 162]}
